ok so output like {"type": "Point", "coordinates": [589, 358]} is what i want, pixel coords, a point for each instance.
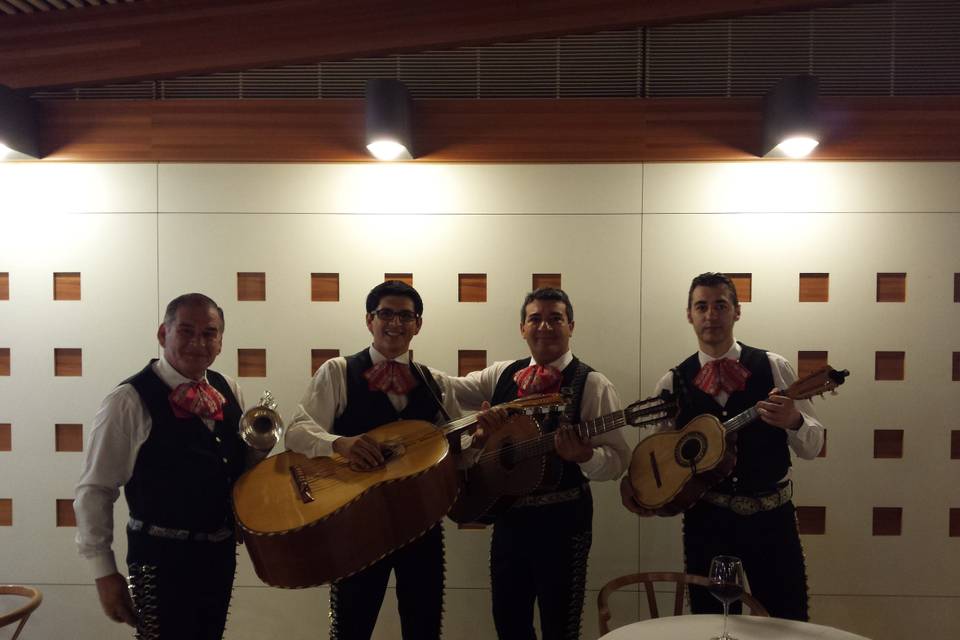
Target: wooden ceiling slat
{"type": "Point", "coordinates": [22, 6]}
{"type": "Point", "coordinates": [59, 4]}
{"type": "Point", "coordinates": [39, 4]}
{"type": "Point", "coordinates": [676, 129]}
{"type": "Point", "coordinates": [133, 42]}
{"type": "Point", "coordinates": [8, 9]}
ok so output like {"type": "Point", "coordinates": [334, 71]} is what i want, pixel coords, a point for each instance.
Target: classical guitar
{"type": "Point", "coordinates": [670, 470]}
{"type": "Point", "coordinates": [309, 521]}
{"type": "Point", "coordinates": [517, 458]}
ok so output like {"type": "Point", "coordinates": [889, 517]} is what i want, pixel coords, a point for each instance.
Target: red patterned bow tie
{"type": "Point", "coordinates": [197, 399]}
{"type": "Point", "coordinates": [390, 376]}
{"type": "Point", "coordinates": [537, 379]}
{"type": "Point", "coordinates": [725, 374]}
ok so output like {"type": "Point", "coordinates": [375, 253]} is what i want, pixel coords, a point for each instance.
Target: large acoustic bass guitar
{"type": "Point", "coordinates": [310, 521]}
{"type": "Point", "coordinates": [671, 470]}
{"type": "Point", "coordinates": [519, 458]}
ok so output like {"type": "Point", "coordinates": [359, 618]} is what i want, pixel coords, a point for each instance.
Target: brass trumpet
{"type": "Point", "coordinates": [261, 426]}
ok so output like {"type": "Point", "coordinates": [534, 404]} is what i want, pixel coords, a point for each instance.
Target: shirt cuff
{"type": "Point", "coordinates": [103, 564]}
{"type": "Point", "coordinates": [592, 466]}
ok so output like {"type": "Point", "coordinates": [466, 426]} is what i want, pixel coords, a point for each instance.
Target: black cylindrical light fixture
{"type": "Point", "coordinates": [19, 138]}
{"type": "Point", "coordinates": [388, 120]}
{"type": "Point", "coordinates": [791, 125]}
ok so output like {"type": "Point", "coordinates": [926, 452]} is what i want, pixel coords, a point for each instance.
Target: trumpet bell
{"type": "Point", "coordinates": [261, 426]}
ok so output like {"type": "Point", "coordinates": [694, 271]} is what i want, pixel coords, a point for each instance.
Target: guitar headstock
{"type": "Point", "coordinates": [652, 410]}
{"type": "Point", "coordinates": [816, 383]}
{"type": "Point", "coordinates": [539, 404]}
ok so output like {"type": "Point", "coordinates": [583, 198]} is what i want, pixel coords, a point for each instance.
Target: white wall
{"type": "Point", "coordinates": [627, 239]}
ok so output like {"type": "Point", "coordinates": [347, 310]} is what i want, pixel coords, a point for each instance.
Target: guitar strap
{"type": "Point", "coordinates": [432, 388]}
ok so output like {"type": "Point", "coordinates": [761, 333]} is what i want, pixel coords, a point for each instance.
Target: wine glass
{"type": "Point", "coordinates": [726, 585]}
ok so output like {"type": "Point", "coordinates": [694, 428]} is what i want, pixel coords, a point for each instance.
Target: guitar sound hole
{"type": "Point", "coordinates": [508, 455]}
{"type": "Point", "coordinates": [690, 450]}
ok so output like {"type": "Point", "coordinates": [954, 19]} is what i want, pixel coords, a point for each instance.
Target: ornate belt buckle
{"type": "Point", "coordinates": [744, 505]}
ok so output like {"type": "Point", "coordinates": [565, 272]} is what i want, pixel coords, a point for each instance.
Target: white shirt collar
{"type": "Point", "coordinates": [733, 354]}
{"type": "Point", "coordinates": [377, 357]}
{"type": "Point", "coordinates": [560, 363]}
{"type": "Point", "coordinates": [170, 376]}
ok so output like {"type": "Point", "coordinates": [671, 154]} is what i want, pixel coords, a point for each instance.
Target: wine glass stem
{"type": "Point", "coordinates": [726, 607]}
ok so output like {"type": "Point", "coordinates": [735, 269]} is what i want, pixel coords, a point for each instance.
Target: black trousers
{"type": "Point", "coordinates": [355, 601]}
{"type": "Point", "coordinates": [181, 590]}
{"type": "Point", "coordinates": [767, 542]}
{"type": "Point", "coordinates": [539, 554]}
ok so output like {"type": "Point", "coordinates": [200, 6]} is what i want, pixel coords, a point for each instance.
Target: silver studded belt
{"type": "Point", "coordinates": [219, 535]}
{"type": "Point", "coordinates": [543, 499]}
{"type": "Point", "coordinates": [748, 505]}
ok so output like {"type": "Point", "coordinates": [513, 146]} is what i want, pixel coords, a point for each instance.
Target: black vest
{"type": "Point", "coordinates": [763, 457]}
{"type": "Point", "coordinates": [184, 473]}
{"type": "Point", "coordinates": [574, 378]}
{"type": "Point", "coordinates": [368, 409]}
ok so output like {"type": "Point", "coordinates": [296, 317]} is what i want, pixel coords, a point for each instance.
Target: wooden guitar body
{"type": "Point", "coordinates": [487, 488]}
{"type": "Point", "coordinates": [310, 521]}
{"type": "Point", "coordinates": [670, 470]}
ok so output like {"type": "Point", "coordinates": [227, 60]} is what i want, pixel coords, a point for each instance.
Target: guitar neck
{"type": "Point", "coordinates": [741, 420]}
{"type": "Point", "coordinates": [460, 424]}
{"type": "Point", "coordinates": [546, 443]}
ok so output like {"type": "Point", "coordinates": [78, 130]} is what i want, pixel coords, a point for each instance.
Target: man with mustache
{"type": "Point", "coordinates": [540, 545]}
{"type": "Point", "coordinates": [169, 436]}
{"type": "Point", "coordinates": [750, 514]}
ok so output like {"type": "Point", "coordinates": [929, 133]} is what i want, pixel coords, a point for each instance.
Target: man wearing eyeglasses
{"type": "Point", "coordinates": [540, 545]}
{"type": "Point", "coordinates": [349, 396]}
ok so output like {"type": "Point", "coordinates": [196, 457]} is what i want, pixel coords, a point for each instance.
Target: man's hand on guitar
{"type": "Point", "coordinates": [488, 420]}
{"type": "Point", "coordinates": [362, 452]}
{"type": "Point", "coordinates": [779, 411]}
{"type": "Point", "coordinates": [572, 447]}
{"type": "Point", "coordinates": [628, 500]}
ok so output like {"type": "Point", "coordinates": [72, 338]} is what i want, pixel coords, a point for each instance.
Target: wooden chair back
{"type": "Point", "coordinates": [20, 614]}
{"type": "Point", "coordinates": [680, 580]}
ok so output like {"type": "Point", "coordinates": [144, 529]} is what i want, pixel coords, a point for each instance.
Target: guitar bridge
{"type": "Point", "coordinates": [301, 484]}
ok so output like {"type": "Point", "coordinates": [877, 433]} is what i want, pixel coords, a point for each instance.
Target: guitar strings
{"type": "Point", "coordinates": [542, 443]}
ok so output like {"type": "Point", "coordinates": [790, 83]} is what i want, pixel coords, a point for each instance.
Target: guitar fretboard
{"type": "Point", "coordinates": [637, 414]}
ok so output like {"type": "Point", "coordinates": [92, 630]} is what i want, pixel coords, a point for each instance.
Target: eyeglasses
{"type": "Point", "coordinates": [387, 315]}
{"type": "Point", "coordinates": [553, 321]}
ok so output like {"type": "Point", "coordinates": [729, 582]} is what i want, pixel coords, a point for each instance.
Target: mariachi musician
{"type": "Point", "coordinates": [540, 545]}
{"type": "Point", "coordinates": [169, 436]}
{"type": "Point", "coordinates": [750, 513]}
{"type": "Point", "coordinates": [349, 396]}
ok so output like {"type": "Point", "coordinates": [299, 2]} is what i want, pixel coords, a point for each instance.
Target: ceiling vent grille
{"type": "Point", "coordinates": [891, 47]}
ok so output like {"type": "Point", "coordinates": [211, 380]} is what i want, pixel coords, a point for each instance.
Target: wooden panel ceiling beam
{"type": "Point", "coordinates": [169, 38]}
{"type": "Point", "coordinates": [675, 129]}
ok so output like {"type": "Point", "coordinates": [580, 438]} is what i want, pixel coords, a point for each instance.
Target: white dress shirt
{"type": "Point", "coordinates": [805, 441]}
{"type": "Point", "coordinates": [611, 455]}
{"type": "Point", "coordinates": [120, 428]}
{"type": "Point", "coordinates": [310, 431]}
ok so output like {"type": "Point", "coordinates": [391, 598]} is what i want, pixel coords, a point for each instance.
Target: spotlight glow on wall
{"type": "Point", "coordinates": [791, 125]}
{"type": "Point", "coordinates": [388, 126]}
{"type": "Point", "coordinates": [4, 151]}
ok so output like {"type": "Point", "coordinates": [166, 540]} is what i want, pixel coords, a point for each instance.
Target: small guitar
{"type": "Point", "coordinates": [669, 471]}
{"type": "Point", "coordinates": [515, 460]}
{"type": "Point", "coordinates": [309, 521]}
